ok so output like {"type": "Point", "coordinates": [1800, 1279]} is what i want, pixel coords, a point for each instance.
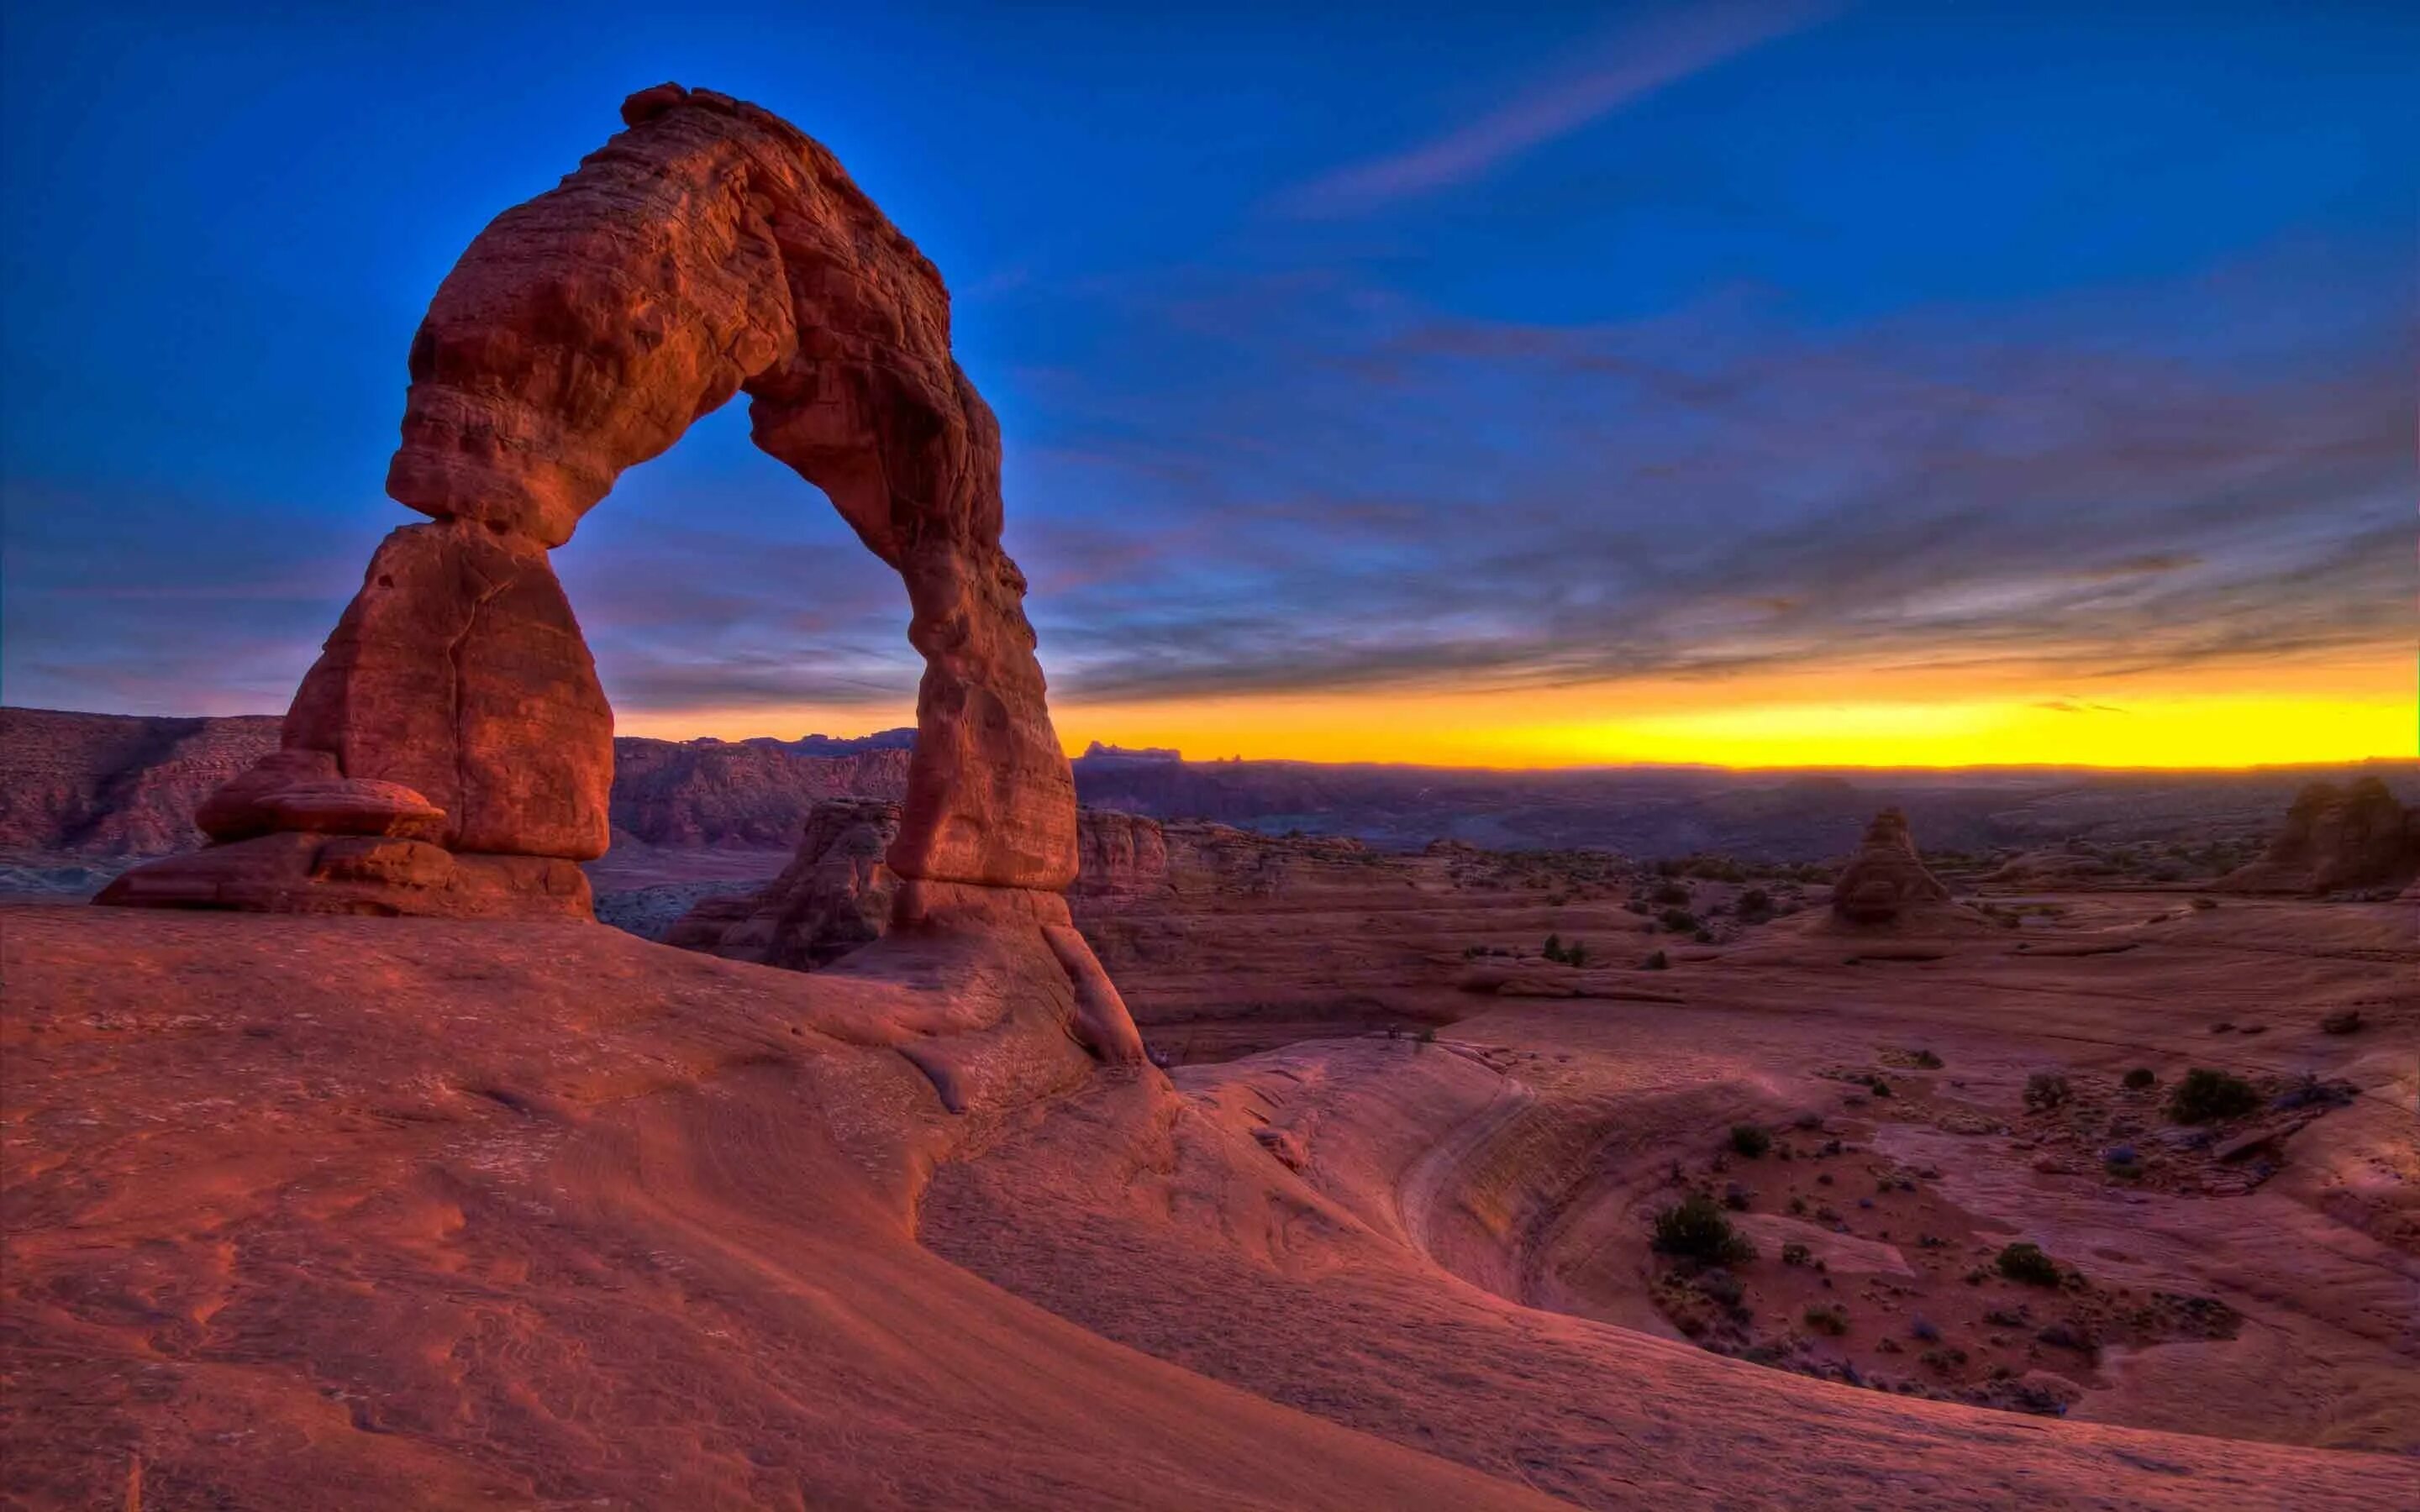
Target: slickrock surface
{"type": "Point", "coordinates": [708, 250]}
{"type": "Point", "coordinates": [2338, 838]}
{"type": "Point", "coordinates": [426, 1213]}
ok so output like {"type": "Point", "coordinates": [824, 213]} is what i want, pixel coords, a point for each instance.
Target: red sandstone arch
{"type": "Point", "coordinates": [451, 750]}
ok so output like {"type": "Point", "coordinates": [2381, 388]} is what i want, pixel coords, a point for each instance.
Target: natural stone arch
{"type": "Point", "coordinates": [452, 736]}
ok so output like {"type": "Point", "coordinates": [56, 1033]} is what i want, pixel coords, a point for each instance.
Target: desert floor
{"type": "Point", "coordinates": [375, 1212]}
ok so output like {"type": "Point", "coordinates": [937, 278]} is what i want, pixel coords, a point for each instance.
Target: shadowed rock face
{"type": "Point", "coordinates": [1885, 878]}
{"type": "Point", "coordinates": [835, 895]}
{"type": "Point", "coordinates": [2356, 836]}
{"type": "Point", "coordinates": [710, 249]}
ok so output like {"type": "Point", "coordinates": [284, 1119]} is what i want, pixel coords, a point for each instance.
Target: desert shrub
{"type": "Point", "coordinates": [1670, 894]}
{"type": "Point", "coordinates": [2140, 1077]}
{"type": "Point", "coordinates": [2208, 1096]}
{"type": "Point", "coordinates": [1576, 954]}
{"type": "Point", "coordinates": [1922, 1329]}
{"type": "Point", "coordinates": [1554, 948]}
{"type": "Point", "coordinates": [2045, 1090]}
{"type": "Point", "coordinates": [2345, 1020]}
{"type": "Point", "coordinates": [2066, 1335]}
{"type": "Point", "coordinates": [1827, 1318]}
{"type": "Point", "coordinates": [1795, 1254]}
{"type": "Point", "coordinates": [1693, 1229]}
{"type": "Point", "coordinates": [1659, 962]}
{"type": "Point", "coordinates": [1756, 905]}
{"type": "Point", "coordinates": [1924, 1060]}
{"type": "Point", "coordinates": [1678, 921]}
{"type": "Point", "coordinates": [1749, 1140]}
{"type": "Point", "coordinates": [1719, 1285]}
{"type": "Point", "coordinates": [2312, 1092]}
{"type": "Point", "coordinates": [2025, 1262]}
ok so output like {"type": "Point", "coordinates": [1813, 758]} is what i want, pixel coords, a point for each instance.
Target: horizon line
{"type": "Point", "coordinates": [1149, 754]}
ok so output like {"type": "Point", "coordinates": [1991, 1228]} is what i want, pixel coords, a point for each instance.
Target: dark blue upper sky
{"type": "Point", "coordinates": [1336, 347]}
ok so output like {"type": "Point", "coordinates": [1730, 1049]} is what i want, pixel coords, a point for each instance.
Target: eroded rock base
{"type": "Point", "coordinates": [366, 874]}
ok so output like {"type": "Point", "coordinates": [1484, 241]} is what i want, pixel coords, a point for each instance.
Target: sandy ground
{"type": "Point", "coordinates": [416, 1214]}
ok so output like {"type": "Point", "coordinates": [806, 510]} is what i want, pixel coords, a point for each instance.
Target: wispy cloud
{"type": "Point", "coordinates": [2062, 491]}
{"type": "Point", "coordinates": [1641, 59]}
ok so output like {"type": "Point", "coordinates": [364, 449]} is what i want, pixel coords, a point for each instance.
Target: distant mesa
{"type": "Point", "coordinates": [902, 738]}
{"type": "Point", "coordinates": [1096, 752]}
{"type": "Point", "coordinates": [2338, 839]}
{"type": "Point", "coordinates": [452, 752]}
{"type": "Point", "coordinates": [1886, 882]}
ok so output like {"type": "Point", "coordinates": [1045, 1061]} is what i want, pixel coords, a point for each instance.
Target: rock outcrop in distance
{"type": "Point", "coordinates": [451, 752]}
{"type": "Point", "coordinates": [2338, 839]}
{"type": "Point", "coordinates": [838, 892]}
{"type": "Point", "coordinates": [1886, 883]}
{"type": "Point", "coordinates": [835, 895]}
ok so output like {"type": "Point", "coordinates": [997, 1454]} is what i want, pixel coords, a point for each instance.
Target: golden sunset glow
{"type": "Point", "coordinates": [2344, 710]}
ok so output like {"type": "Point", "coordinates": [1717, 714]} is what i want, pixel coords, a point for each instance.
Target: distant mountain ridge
{"type": "Point", "coordinates": [123, 785]}
{"type": "Point", "coordinates": [127, 785]}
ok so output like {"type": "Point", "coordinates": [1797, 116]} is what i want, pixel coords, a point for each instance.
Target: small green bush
{"type": "Point", "coordinates": [2140, 1077]}
{"type": "Point", "coordinates": [1749, 1140]}
{"type": "Point", "coordinates": [1693, 1229]}
{"type": "Point", "coordinates": [1827, 1318]}
{"type": "Point", "coordinates": [2025, 1262]}
{"type": "Point", "coordinates": [1678, 921]}
{"type": "Point", "coordinates": [2209, 1096]}
{"type": "Point", "coordinates": [1659, 962]}
{"type": "Point", "coordinates": [1795, 1254]}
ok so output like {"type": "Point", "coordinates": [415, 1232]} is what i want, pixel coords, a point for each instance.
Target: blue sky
{"type": "Point", "coordinates": [1387, 348]}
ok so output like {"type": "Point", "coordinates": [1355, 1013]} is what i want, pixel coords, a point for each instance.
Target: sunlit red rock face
{"type": "Point", "coordinates": [709, 249]}
{"type": "Point", "coordinates": [2337, 837]}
